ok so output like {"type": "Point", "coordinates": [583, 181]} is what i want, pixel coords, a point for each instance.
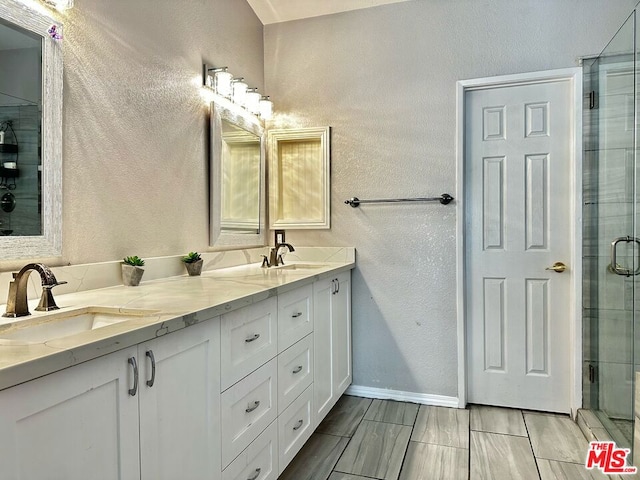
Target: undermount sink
{"type": "Point", "coordinates": [66, 323]}
{"type": "Point", "coordinates": [302, 266]}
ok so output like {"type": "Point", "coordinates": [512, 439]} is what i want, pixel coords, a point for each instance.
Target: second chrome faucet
{"type": "Point", "coordinates": [275, 257]}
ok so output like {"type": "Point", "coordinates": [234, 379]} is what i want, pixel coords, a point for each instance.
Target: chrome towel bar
{"type": "Point", "coordinates": [444, 199]}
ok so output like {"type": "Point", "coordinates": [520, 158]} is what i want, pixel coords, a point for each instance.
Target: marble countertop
{"type": "Point", "coordinates": [181, 301]}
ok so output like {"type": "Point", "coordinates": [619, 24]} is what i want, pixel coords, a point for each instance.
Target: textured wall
{"type": "Point", "coordinates": [384, 79]}
{"type": "Point", "coordinates": [135, 124]}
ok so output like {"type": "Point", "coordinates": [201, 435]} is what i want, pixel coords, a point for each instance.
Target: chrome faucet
{"type": "Point", "coordinates": [275, 258]}
{"type": "Point", "coordinates": [17, 301]}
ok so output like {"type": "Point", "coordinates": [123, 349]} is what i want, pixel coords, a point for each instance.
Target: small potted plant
{"type": "Point", "coordinates": [193, 263]}
{"type": "Point", "coordinates": [132, 270]}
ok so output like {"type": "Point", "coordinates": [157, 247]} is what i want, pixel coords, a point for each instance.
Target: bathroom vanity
{"type": "Point", "coordinates": [226, 377]}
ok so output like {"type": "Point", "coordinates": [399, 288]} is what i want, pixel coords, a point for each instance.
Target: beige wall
{"type": "Point", "coordinates": [384, 79]}
{"type": "Point", "coordinates": [135, 124]}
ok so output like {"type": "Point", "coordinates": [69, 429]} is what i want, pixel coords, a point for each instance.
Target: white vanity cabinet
{"type": "Point", "coordinates": [332, 342]}
{"type": "Point", "coordinates": [234, 397]}
{"type": "Point", "coordinates": [93, 420]}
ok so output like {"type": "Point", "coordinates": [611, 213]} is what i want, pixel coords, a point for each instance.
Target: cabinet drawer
{"type": "Point", "coordinates": [247, 409]}
{"type": "Point", "coordinates": [295, 371]}
{"type": "Point", "coordinates": [248, 340]}
{"type": "Point", "coordinates": [259, 461]}
{"type": "Point", "coordinates": [295, 316]}
{"type": "Point", "coordinates": [294, 428]}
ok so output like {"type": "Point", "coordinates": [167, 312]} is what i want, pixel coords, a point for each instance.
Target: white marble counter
{"type": "Point", "coordinates": [182, 301]}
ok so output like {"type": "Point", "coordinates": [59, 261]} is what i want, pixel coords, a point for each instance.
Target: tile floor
{"type": "Point", "coordinates": [364, 439]}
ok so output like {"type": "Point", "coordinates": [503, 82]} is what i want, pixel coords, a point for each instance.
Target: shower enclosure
{"type": "Point", "coordinates": [611, 245]}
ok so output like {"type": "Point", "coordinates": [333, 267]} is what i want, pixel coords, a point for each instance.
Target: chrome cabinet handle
{"type": "Point", "coordinates": [613, 266]}
{"type": "Point", "coordinates": [134, 364]}
{"type": "Point", "coordinates": [298, 425]}
{"type": "Point", "coordinates": [337, 285]}
{"type": "Point", "coordinates": [296, 315]}
{"type": "Point", "coordinates": [255, 475]}
{"type": "Point", "coordinates": [152, 380]}
{"type": "Point", "coordinates": [333, 286]}
{"type": "Point", "coordinates": [252, 339]}
{"type": "Point", "coordinates": [256, 404]}
{"type": "Point", "coordinates": [298, 369]}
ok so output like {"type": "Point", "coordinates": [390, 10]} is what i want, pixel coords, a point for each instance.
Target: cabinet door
{"type": "Point", "coordinates": [323, 386]}
{"type": "Point", "coordinates": [73, 424]}
{"type": "Point", "coordinates": [341, 345]}
{"type": "Point", "coordinates": [179, 413]}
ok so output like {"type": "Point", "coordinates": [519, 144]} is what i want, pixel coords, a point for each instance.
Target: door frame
{"type": "Point", "coordinates": [574, 76]}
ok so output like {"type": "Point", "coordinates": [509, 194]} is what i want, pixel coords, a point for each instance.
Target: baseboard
{"type": "Point", "coordinates": [386, 394]}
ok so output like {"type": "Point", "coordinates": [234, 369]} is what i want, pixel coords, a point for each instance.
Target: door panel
{"type": "Point", "coordinates": [86, 408]}
{"type": "Point", "coordinates": [518, 163]}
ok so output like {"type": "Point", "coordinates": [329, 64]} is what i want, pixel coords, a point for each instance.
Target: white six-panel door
{"type": "Point", "coordinates": [518, 159]}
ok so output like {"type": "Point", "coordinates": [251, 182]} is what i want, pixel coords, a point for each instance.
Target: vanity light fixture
{"type": "Point", "coordinates": [266, 108]}
{"type": "Point", "coordinates": [222, 82]}
{"type": "Point", "coordinates": [239, 88]}
{"type": "Point", "coordinates": [252, 101]}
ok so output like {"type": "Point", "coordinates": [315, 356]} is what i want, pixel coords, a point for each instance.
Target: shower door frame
{"type": "Point", "coordinates": [574, 75]}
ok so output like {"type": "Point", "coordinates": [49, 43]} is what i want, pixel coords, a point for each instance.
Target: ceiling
{"type": "Point", "coordinates": [275, 11]}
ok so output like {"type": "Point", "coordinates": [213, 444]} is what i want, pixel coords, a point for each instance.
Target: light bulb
{"type": "Point", "coordinates": [266, 108]}
{"type": "Point", "coordinates": [239, 91]}
{"type": "Point", "coordinates": [222, 80]}
{"type": "Point", "coordinates": [252, 101]}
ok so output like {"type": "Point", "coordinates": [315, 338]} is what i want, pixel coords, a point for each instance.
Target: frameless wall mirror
{"type": "Point", "coordinates": [237, 177]}
{"type": "Point", "coordinates": [30, 134]}
{"type": "Point", "coordinates": [299, 178]}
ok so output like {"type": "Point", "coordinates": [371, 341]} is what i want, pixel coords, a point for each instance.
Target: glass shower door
{"type": "Point", "coordinates": [610, 246]}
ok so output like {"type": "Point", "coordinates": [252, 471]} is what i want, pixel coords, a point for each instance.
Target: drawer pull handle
{"type": "Point", "coordinates": [255, 405]}
{"type": "Point", "coordinates": [296, 315]}
{"type": "Point", "coordinates": [134, 364]}
{"type": "Point", "coordinates": [252, 339]}
{"type": "Point", "coordinates": [151, 381]}
{"type": "Point", "coordinates": [255, 475]}
{"type": "Point", "coordinates": [298, 369]}
{"type": "Point", "coordinates": [298, 425]}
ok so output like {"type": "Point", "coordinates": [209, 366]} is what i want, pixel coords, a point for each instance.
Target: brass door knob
{"type": "Point", "coordinates": [557, 267]}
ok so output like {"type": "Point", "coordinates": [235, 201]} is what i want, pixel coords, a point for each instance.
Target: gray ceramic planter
{"type": "Point", "coordinates": [194, 268]}
{"type": "Point", "coordinates": [131, 275]}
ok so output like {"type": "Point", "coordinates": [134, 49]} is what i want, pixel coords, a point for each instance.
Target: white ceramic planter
{"type": "Point", "coordinates": [131, 275]}
{"type": "Point", "coordinates": [194, 268]}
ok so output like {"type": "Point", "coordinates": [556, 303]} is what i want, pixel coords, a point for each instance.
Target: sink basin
{"type": "Point", "coordinates": [302, 266]}
{"type": "Point", "coordinates": [66, 323]}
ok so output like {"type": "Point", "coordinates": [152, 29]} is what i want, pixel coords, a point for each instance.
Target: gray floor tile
{"type": "Point", "coordinates": [442, 426]}
{"type": "Point", "coordinates": [497, 420]}
{"type": "Point", "coordinates": [552, 470]}
{"type": "Point", "coordinates": [435, 462]}
{"type": "Point", "coordinates": [346, 476]}
{"type": "Point", "coordinates": [389, 411]}
{"type": "Point", "coordinates": [344, 418]}
{"type": "Point", "coordinates": [316, 459]}
{"type": "Point", "coordinates": [376, 450]}
{"type": "Point", "coordinates": [495, 456]}
{"type": "Point", "coordinates": [556, 438]}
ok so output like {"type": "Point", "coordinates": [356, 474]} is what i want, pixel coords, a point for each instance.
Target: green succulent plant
{"type": "Point", "coordinates": [134, 261]}
{"type": "Point", "coordinates": [192, 257]}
